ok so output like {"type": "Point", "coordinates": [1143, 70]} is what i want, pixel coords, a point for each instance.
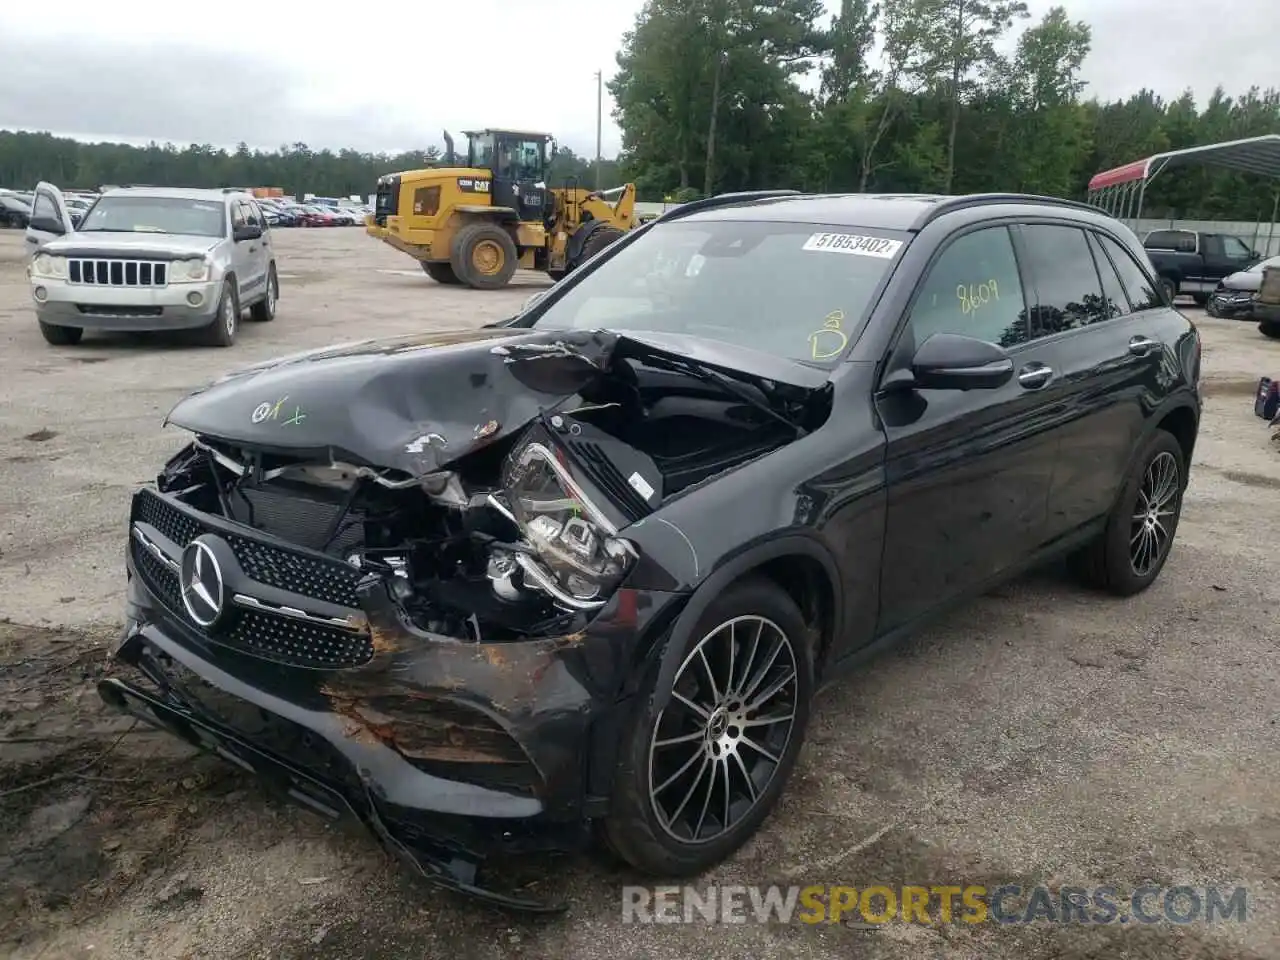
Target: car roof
{"type": "Point", "coordinates": [884, 211]}
{"type": "Point", "coordinates": [176, 193]}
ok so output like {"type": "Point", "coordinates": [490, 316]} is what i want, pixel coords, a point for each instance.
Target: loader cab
{"type": "Point", "coordinates": [518, 161]}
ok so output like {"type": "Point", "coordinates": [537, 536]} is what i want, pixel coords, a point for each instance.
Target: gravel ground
{"type": "Point", "coordinates": [1040, 734]}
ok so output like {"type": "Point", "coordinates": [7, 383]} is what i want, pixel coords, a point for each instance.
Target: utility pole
{"type": "Point", "coordinates": [599, 121]}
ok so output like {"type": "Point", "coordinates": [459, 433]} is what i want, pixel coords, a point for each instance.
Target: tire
{"type": "Point", "coordinates": [265, 309]}
{"type": "Point", "coordinates": [597, 242]}
{"type": "Point", "coordinates": [483, 256]}
{"type": "Point", "coordinates": [222, 332]}
{"type": "Point", "coordinates": [440, 272]}
{"type": "Point", "coordinates": [1270, 328]}
{"type": "Point", "coordinates": [1114, 561]}
{"type": "Point", "coordinates": [633, 830]}
{"type": "Point", "coordinates": [1199, 299]}
{"type": "Point", "coordinates": [61, 336]}
{"type": "Point", "coordinates": [1170, 288]}
{"type": "Point", "coordinates": [1211, 309]}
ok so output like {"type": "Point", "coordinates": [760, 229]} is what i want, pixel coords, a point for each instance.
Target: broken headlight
{"type": "Point", "coordinates": [571, 550]}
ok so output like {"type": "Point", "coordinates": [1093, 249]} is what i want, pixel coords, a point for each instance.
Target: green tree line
{"type": "Point", "coordinates": [949, 96]}
{"type": "Point", "coordinates": [28, 158]}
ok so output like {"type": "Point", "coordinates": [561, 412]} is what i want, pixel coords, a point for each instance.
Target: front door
{"type": "Point", "coordinates": [50, 218]}
{"type": "Point", "coordinates": [518, 177]}
{"type": "Point", "coordinates": [968, 472]}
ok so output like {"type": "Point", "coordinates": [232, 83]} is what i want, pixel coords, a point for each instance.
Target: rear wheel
{"type": "Point", "coordinates": [1129, 554]}
{"type": "Point", "coordinates": [265, 309]}
{"type": "Point", "coordinates": [1169, 287]}
{"type": "Point", "coordinates": [483, 256]}
{"type": "Point", "coordinates": [1270, 328]}
{"type": "Point", "coordinates": [61, 336]}
{"type": "Point", "coordinates": [440, 272]}
{"type": "Point", "coordinates": [1200, 299]}
{"type": "Point", "coordinates": [597, 242]}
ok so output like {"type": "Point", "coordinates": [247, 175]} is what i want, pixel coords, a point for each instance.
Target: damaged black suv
{"type": "Point", "coordinates": [579, 574]}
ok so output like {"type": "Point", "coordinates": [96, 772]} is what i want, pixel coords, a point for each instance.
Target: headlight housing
{"type": "Point", "coordinates": [49, 266]}
{"type": "Point", "coordinates": [571, 549]}
{"type": "Point", "coordinates": [188, 271]}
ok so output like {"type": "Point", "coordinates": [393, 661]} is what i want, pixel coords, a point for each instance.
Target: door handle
{"type": "Point", "coordinates": [1035, 377]}
{"type": "Point", "coordinates": [1141, 346]}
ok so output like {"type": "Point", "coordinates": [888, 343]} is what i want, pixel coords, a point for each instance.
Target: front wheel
{"type": "Point", "coordinates": [222, 332]}
{"type": "Point", "coordinates": [1169, 288]}
{"type": "Point", "coordinates": [1270, 328]}
{"type": "Point", "coordinates": [1131, 551]}
{"type": "Point", "coordinates": [61, 336]}
{"type": "Point", "coordinates": [698, 776]}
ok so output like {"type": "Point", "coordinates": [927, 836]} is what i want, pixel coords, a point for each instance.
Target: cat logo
{"type": "Point", "coordinates": [468, 185]}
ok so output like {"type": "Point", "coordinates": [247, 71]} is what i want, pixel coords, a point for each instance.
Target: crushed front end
{"type": "Point", "coordinates": [433, 625]}
{"type": "Point", "coordinates": [441, 665]}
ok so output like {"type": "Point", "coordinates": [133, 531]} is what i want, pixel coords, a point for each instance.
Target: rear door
{"type": "Point", "coordinates": [259, 251]}
{"type": "Point", "coordinates": [967, 471]}
{"type": "Point", "coordinates": [50, 218]}
{"type": "Point", "coordinates": [243, 253]}
{"type": "Point", "coordinates": [1107, 357]}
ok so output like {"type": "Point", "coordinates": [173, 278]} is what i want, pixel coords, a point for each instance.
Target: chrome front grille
{"type": "Point", "coordinates": [118, 273]}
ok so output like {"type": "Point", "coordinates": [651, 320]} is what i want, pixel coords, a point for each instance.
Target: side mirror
{"type": "Point", "coordinates": [47, 225]}
{"type": "Point", "coordinates": [247, 232]}
{"type": "Point", "coordinates": [948, 361]}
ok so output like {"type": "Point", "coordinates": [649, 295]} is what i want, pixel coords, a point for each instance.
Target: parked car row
{"type": "Point", "coordinates": [15, 207]}
{"type": "Point", "coordinates": [281, 212]}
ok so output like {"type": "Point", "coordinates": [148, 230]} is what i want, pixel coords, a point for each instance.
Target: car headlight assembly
{"type": "Point", "coordinates": [48, 266]}
{"type": "Point", "coordinates": [188, 271]}
{"type": "Point", "coordinates": [569, 550]}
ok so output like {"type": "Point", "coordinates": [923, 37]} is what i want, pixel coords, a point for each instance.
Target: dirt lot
{"type": "Point", "coordinates": [1042, 734]}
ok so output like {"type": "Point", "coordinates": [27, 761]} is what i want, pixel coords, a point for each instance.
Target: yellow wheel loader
{"type": "Point", "coordinates": [474, 220]}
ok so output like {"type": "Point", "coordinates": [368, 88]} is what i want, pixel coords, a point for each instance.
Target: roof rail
{"type": "Point", "coordinates": [952, 204]}
{"type": "Point", "coordinates": [724, 200]}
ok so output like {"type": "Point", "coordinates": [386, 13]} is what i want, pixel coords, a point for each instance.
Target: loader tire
{"type": "Point", "coordinates": [597, 242]}
{"type": "Point", "coordinates": [483, 256]}
{"type": "Point", "coordinates": [440, 272]}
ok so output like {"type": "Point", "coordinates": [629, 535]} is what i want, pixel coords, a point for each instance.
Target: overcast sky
{"type": "Point", "coordinates": [390, 74]}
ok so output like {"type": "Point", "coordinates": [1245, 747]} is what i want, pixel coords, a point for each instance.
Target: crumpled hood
{"type": "Point", "coordinates": [415, 403]}
{"type": "Point", "coordinates": [100, 242]}
{"type": "Point", "coordinates": [1244, 281]}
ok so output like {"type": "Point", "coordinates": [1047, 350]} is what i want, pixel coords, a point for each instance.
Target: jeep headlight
{"type": "Point", "coordinates": [571, 550]}
{"type": "Point", "coordinates": [48, 266]}
{"type": "Point", "coordinates": [188, 271]}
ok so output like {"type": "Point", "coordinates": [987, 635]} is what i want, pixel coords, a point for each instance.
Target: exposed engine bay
{"type": "Point", "coordinates": [525, 530]}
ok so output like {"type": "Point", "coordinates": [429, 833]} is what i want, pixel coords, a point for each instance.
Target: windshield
{"type": "Point", "coordinates": [480, 151]}
{"type": "Point", "coordinates": [198, 218]}
{"type": "Point", "coordinates": [793, 290]}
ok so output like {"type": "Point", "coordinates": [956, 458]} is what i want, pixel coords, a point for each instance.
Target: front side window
{"type": "Point", "coordinates": [973, 289]}
{"type": "Point", "coordinates": [793, 290]}
{"type": "Point", "coordinates": [1237, 248]}
{"type": "Point", "coordinates": [1068, 291]}
{"type": "Point", "coordinates": [200, 218]}
{"type": "Point", "coordinates": [480, 153]}
{"type": "Point", "coordinates": [45, 208]}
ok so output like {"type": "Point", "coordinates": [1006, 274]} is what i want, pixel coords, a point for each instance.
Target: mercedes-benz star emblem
{"type": "Point", "coordinates": [202, 587]}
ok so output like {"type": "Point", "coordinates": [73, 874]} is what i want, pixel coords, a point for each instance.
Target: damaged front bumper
{"type": "Point", "coordinates": [452, 752]}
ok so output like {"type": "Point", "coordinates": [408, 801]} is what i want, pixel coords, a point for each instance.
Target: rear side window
{"type": "Point", "coordinates": [1115, 304]}
{"type": "Point", "coordinates": [1170, 240]}
{"type": "Point", "coordinates": [1068, 291]}
{"type": "Point", "coordinates": [1142, 292]}
{"type": "Point", "coordinates": [973, 289]}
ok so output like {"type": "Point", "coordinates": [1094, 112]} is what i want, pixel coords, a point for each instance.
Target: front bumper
{"type": "Point", "coordinates": [451, 752]}
{"type": "Point", "coordinates": [66, 304]}
{"type": "Point", "coordinates": [1231, 304]}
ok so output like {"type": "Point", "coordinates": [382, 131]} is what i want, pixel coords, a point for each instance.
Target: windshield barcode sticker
{"type": "Point", "coordinates": [854, 244]}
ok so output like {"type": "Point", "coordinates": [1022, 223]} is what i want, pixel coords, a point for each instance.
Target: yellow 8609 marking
{"type": "Point", "coordinates": [975, 295]}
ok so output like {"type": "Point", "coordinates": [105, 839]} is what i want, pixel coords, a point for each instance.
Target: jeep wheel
{"type": "Point", "coordinates": [1169, 288]}
{"type": "Point", "coordinates": [222, 332]}
{"type": "Point", "coordinates": [61, 336]}
{"type": "Point", "coordinates": [440, 272]}
{"type": "Point", "coordinates": [483, 256]}
{"type": "Point", "coordinates": [699, 776]}
{"type": "Point", "coordinates": [1131, 551]}
{"type": "Point", "coordinates": [265, 309]}
{"type": "Point", "coordinates": [1270, 328]}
